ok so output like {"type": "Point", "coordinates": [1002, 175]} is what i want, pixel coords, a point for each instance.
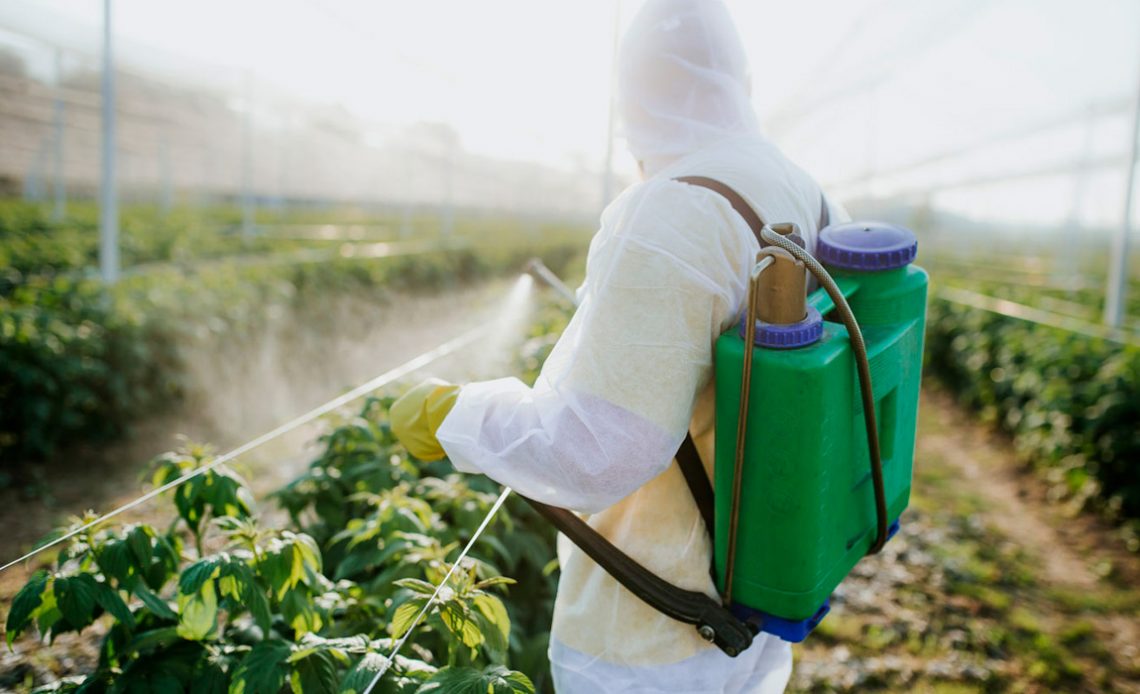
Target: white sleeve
{"type": "Point", "coordinates": [665, 276]}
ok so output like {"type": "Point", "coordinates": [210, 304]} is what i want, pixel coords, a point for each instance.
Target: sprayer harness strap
{"type": "Point", "coordinates": [714, 622]}
{"type": "Point", "coordinates": [689, 460]}
{"type": "Point", "coordinates": [755, 223]}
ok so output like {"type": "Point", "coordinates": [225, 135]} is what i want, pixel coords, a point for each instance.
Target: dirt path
{"type": "Point", "coordinates": [988, 587]}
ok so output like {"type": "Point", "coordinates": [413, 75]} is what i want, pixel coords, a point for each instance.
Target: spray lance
{"type": "Point", "coordinates": [813, 456]}
{"type": "Point", "coordinates": [537, 269]}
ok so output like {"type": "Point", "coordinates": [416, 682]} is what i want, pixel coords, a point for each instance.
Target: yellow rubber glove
{"type": "Point", "coordinates": [417, 415]}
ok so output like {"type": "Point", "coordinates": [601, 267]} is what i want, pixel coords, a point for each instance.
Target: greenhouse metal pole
{"type": "Point", "coordinates": [108, 194]}
{"type": "Point", "coordinates": [60, 194]}
{"type": "Point", "coordinates": [608, 164]}
{"type": "Point", "coordinates": [247, 202]}
{"type": "Point", "coordinates": [1118, 256]}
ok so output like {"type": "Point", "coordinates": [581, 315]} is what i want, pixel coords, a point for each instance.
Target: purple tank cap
{"type": "Point", "coordinates": [866, 246]}
{"type": "Point", "coordinates": [774, 336]}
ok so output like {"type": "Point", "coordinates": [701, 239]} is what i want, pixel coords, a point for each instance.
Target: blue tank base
{"type": "Point", "coordinates": [790, 630]}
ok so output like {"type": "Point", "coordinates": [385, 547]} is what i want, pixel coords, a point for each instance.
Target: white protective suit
{"type": "Point", "coordinates": [666, 274]}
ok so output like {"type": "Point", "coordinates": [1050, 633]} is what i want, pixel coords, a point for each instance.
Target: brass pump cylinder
{"type": "Point", "coordinates": [782, 288]}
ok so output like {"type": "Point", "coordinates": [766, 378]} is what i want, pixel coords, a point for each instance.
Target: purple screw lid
{"type": "Point", "coordinates": [775, 336]}
{"type": "Point", "coordinates": [866, 246]}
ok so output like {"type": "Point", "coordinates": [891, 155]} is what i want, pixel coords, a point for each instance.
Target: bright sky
{"type": "Point", "coordinates": [847, 87]}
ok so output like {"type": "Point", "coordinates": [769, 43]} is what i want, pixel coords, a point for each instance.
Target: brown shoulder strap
{"type": "Point", "coordinates": [714, 621]}
{"type": "Point", "coordinates": [755, 223]}
{"type": "Point", "coordinates": [689, 460]}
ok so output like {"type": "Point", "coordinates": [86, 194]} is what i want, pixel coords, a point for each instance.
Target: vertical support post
{"type": "Point", "coordinates": [1118, 255]}
{"type": "Point", "coordinates": [409, 191]}
{"type": "Point", "coordinates": [608, 162]}
{"type": "Point", "coordinates": [59, 208]}
{"type": "Point", "coordinates": [1068, 265]}
{"type": "Point", "coordinates": [449, 188]}
{"type": "Point", "coordinates": [166, 195]}
{"type": "Point", "coordinates": [247, 202]}
{"type": "Point", "coordinates": [34, 180]}
{"type": "Point", "coordinates": [108, 192]}
{"type": "Point", "coordinates": [283, 162]}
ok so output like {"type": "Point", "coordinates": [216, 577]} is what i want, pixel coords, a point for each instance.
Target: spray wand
{"type": "Point", "coordinates": [538, 270]}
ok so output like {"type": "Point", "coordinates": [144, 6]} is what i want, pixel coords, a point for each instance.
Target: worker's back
{"type": "Point", "coordinates": [603, 636]}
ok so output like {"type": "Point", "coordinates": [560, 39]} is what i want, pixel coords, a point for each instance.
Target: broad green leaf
{"type": "Point", "coordinates": [25, 604]}
{"type": "Point", "coordinates": [263, 670]}
{"type": "Point", "coordinates": [110, 600]}
{"type": "Point", "coordinates": [297, 565]}
{"type": "Point", "coordinates": [404, 616]}
{"type": "Point", "coordinates": [316, 674]}
{"type": "Point", "coordinates": [362, 674]}
{"type": "Point", "coordinates": [48, 613]}
{"type": "Point", "coordinates": [228, 587]}
{"type": "Point", "coordinates": [310, 552]}
{"type": "Point", "coordinates": [494, 581]}
{"type": "Point", "coordinates": [210, 678]}
{"type": "Point", "coordinates": [154, 639]}
{"type": "Point", "coordinates": [460, 622]}
{"type": "Point", "coordinates": [494, 680]}
{"type": "Point", "coordinates": [493, 610]}
{"type": "Point", "coordinates": [76, 598]}
{"type": "Point", "coordinates": [258, 604]}
{"type": "Point", "coordinates": [158, 606]}
{"type": "Point", "coordinates": [276, 567]}
{"type": "Point", "coordinates": [139, 540]}
{"type": "Point", "coordinates": [301, 613]}
{"type": "Point", "coordinates": [197, 574]}
{"type": "Point", "coordinates": [165, 561]}
{"type": "Point", "coordinates": [117, 562]}
{"type": "Point", "coordinates": [199, 613]}
{"type": "Point", "coordinates": [417, 586]}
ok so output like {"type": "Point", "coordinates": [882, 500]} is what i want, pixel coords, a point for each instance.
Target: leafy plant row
{"type": "Point", "coordinates": [32, 245]}
{"type": "Point", "coordinates": [1071, 403]}
{"type": "Point", "coordinates": [224, 602]}
{"type": "Point", "coordinates": [79, 363]}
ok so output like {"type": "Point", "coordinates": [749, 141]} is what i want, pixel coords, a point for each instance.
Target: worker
{"type": "Point", "coordinates": [597, 433]}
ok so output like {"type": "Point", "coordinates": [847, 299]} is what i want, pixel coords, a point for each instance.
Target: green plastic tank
{"type": "Point", "coordinates": [807, 510]}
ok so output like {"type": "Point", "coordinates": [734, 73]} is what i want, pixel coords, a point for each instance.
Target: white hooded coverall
{"type": "Point", "coordinates": [665, 276]}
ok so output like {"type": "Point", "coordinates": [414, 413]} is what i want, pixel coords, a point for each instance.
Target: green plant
{"type": "Point", "coordinates": [79, 362]}
{"type": "Point", "coordinates": [220, 602]}
{"type": "Point", "coordinates": [1071, 403]}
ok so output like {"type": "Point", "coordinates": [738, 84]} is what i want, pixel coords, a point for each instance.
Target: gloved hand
{"type": "Point", "coordinates": [417, 415]}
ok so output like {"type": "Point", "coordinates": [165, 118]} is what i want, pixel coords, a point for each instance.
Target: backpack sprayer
{"type": "Point", "coordinates": [823, 452]}
{"type": "Point", "coordinates": [816, 412]}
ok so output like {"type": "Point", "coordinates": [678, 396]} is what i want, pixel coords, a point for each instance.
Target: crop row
{"type": "Point", "coordinates": [223, 602]}
{"type": "Point", "coordinates": [80, 362]}
{"type": "Point", "coordinates": [1070, 402]}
